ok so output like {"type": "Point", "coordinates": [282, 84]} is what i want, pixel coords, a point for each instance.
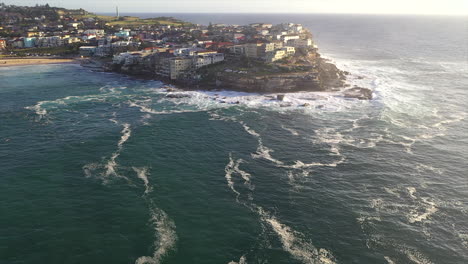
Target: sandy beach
{"type": "Point", "coordinates": [33, 61]}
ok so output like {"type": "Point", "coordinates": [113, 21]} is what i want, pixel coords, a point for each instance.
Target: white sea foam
{"type": "Point", "coordinates": [165, 236]}
{"type": "Point", "coordinates": [109, 167]}
{"type": "Point", "coordinates": [392, 191]}
{"type": "Point", "coordinates": [126, 133]}
{"type": "Point", "coordinates": [454, 118]}
{"type": "Point", "coordinates": [142, 173]}
{"type": "Point", "coordinates": [423, 167]}
{"type": "Point", "coordinates": [297, 175]}
{"type": "Point", "coordinates": [242, 260]}
{"type": "Point", "coordinates": [111, 163]}
{"type": "Point", "coordinates": [464, 239]}
{"type": "Point", "coordinates": [245, 175]}
{"type": "Point", "coordinates": [299, 248]}
{"type": "Point", "coordinates": [229, 170]}
{"type": "Point", "coordinates": [89, 169]}
{"type": "Point", "coordinates": [290, 130]}
{"type": "Point", "coordinates": [429, 208]}
{"type": "Point", "coordinates": [265, 153]}
{"type": "Point", "coordinates": [249, 130]}
{"type": "Point", "coordinates": [412, 191]}
{"type": "Point", "coordinates": [389, 260]}
{"type": "Point", "coordinates": [377, 204]}
{"type": "Point", "coordinates": [415, 256]}
{"type": "Point", "coordinates": [41, 108]}
{"type": "Point", "coordinates": [41, 112]}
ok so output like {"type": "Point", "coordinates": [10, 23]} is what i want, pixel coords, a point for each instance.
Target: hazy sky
{"type": "Point", "coordinates": [447, 7]}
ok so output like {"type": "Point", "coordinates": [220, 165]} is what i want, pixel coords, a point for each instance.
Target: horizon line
{"type": "Point", "coordinates": [282, 13]}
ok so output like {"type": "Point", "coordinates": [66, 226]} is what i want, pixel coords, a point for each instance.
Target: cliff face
{"type": "Point", "coordinates": [308, 72]}
{"type": "Point", "coordinates": [271, 83]}
{"type": "Point", "coordinates": [324, 76]}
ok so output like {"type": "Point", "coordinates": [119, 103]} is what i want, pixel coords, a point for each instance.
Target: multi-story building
{"type": "Point", "coordinates": [286, 38]}
{"type": "Point", "coordinates": [180, 66]}
{"type": "Point", "coordinates": [300, 43]}
{"type": "Point", "coordinates": [186, 51]}
{"type": "Point", "coordinates": [237, 50]}
{"type": "Point", "coordinates": [279, 54]}
{"type": "Point", "coordinates": [252, 50]}
{"type": "Point", "coordinates": [289, 50]}
{"type": "Point", "coordinates": [87, 51]}
{"type": "Point", "coordinates": [275, 55]}
{"type": "Point", "coordinates": [202, 60]}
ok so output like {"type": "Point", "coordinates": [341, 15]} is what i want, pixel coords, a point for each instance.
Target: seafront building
{"type": "Point", "coordinates": [171, 51]}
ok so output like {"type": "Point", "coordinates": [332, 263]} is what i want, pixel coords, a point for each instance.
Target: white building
{"type": "Point", "coordinates": [275, 55]}
{"type": "Point", "coordinates": [300, 43]}
{"type": "Point", "coordinates": [98, 32]}
{"type": "Point", "coordinates": [279, 54]}
{"type": "Point", "coordinates": [208, 59]}
{"type": "Point", "coordinates": [287, 38]}
{"type": "Point", "coordinates": [186, 51]}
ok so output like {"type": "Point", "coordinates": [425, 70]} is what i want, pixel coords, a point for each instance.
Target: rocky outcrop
{"type": "Point", "coordinates": [325, 76]}
{"type": "Point", "coordinates": [307, 72]}
{"type": "Point", "coordinates": [358, 93]}
{"type": "Point", "coordinates": [284, 83]}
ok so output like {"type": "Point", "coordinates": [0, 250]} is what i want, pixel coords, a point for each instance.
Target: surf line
{"type": "Point", "coordinates": [290, 239]}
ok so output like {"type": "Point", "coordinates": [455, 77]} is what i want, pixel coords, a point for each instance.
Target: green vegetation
{"type": "Point", "coordinates": [135, 21]}
{"type": "Point", "coordinates": [248, 67]}
{"type": "Point", "coordinates": [50, 13]}
{"type": "Point", "coordinates": [54, 13]}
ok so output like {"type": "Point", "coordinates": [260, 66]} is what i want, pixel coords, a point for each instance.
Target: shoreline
{"type": "Point", "coordinates": [9, 62]}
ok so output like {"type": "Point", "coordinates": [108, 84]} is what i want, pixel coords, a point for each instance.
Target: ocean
{"type": "Point", "coordinates": [103, 168]}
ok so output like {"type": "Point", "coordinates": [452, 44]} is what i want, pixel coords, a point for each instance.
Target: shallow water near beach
{"type": "Point", "coordinates": [102, 168]}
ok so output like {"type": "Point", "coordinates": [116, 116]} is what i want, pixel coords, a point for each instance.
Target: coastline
{"type": "Point", "coordinates": [7, 62]}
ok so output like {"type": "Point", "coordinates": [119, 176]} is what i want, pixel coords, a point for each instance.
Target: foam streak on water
{"type": "Point", "coordinates": [142, 173]}
{"type": "Point", "coordinates": [291, 240]}
{"type": "Point", "coordinates": [165, 236]}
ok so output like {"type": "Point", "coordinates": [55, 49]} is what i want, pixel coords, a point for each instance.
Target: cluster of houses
{"type": "Point", "coordinates": [211, 45]}
{"type": "Point", "coordinates": [170, 50]}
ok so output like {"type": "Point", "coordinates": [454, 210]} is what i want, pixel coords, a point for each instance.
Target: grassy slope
{"type": "Point", "coordinates": [135, 21]}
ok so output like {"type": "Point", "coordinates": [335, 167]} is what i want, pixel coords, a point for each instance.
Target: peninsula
{"type": "Point", "coordinates": [259, 57]}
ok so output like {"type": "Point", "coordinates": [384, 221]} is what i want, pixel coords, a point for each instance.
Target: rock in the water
{"type": "Point", "coordinates": [280, 97]}
{"type": "Point", "coordinates": [359, 93]}
{"type": "Point", "coordinates": [306, 104]}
